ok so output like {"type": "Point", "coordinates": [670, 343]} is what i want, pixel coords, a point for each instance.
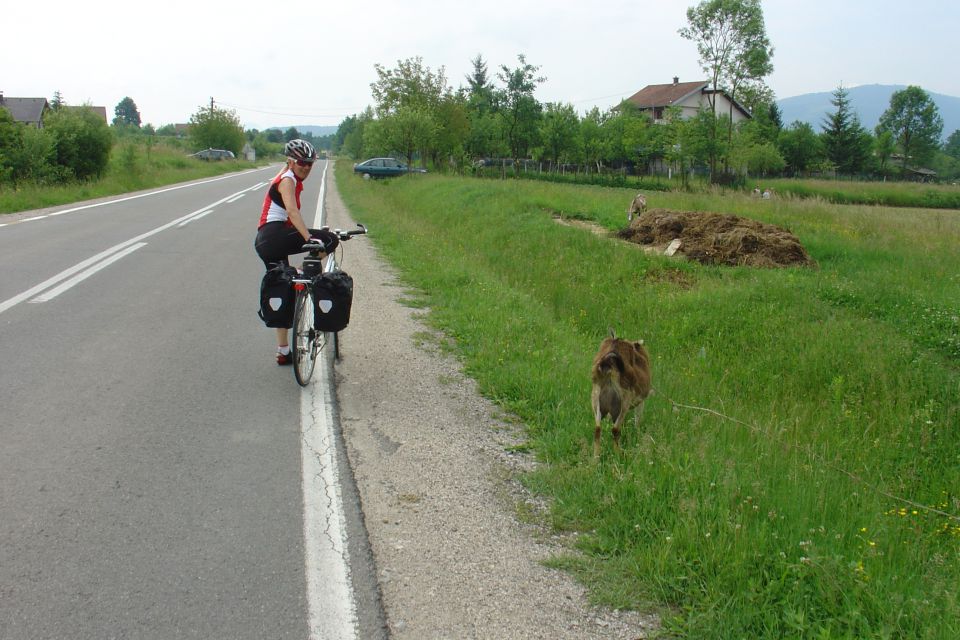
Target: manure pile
{"type": "Point", "coordinates": [717, 239]}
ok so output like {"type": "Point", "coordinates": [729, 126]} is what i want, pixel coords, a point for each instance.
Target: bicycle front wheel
{"type": "Point", "coordinates": [304, 339]}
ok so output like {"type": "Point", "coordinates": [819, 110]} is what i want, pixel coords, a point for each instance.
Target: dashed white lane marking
{"type": "Point", "coordinates": [151, 193]}
{"type": "Point", "coordinates": [80, 277]}
{"type": "Point", "coordinates": [30, 293]}
{"type": "Point", "coordinates": [197, 217]}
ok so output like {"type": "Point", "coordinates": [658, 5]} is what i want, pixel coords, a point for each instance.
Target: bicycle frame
{"type": "Point", "coordinates": [308, 341]}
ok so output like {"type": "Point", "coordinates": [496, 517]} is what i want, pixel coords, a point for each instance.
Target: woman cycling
{"type": "Point", "coordinates": [282, 231]}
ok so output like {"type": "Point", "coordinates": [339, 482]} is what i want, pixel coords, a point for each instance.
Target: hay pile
{"type": "Point", "coordinates": [717, 239]}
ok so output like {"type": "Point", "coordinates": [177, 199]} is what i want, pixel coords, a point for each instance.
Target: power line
{"type": "Point", "coordinates": [284, 113]}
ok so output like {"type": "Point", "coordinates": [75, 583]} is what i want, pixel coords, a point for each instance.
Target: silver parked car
{"type": "Point", "coordinates": [213, 154]}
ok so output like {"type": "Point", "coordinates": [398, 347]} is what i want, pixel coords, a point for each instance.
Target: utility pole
{"type": "Point", "coordinates": [211, 106]}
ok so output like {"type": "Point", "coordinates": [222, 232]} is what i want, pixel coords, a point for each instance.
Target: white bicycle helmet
{"type": "Point", "coordinates": [300, 150]}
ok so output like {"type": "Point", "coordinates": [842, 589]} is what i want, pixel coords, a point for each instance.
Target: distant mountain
{"type": "Point", "coordinates": [869, 101]}
{"type": "Point", "coordinates": [314, 130]}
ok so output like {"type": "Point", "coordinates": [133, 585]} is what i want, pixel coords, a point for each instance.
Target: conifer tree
{"type": "Point", "coordinates": [846, 142]}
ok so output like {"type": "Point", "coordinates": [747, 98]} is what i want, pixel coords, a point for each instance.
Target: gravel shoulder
{"type": "Point", "coordinates": [432, 463]}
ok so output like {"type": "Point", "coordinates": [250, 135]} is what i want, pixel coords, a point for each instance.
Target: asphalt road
{"type": "Point", "coordinates": [151, 483]}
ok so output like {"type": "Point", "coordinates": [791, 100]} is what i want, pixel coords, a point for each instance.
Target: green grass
{"type": "Point", "coordinates": [132, 167]}
{"type": "Point", "coordinates": [815, 508]}
{"type": "Point", "coordinates": [893, 194]}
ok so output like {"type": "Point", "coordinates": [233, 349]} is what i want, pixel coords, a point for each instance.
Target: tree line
{"type": "Point", "coordinates": [417, 115]}
{"type": "Point", "coordinates": [76, 144]}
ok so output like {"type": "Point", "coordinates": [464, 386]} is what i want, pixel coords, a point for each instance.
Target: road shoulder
{"type": "Point", "coordinates": [433, 466]}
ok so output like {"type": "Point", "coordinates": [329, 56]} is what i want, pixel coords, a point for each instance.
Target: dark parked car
{"type": "Point", "coordinates": [383, 168]}
{"type": "Point", "coordinates": [214, 154]}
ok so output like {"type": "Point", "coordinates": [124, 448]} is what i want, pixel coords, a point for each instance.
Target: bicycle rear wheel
{"type": "Point", "coordinates": [305, 347]}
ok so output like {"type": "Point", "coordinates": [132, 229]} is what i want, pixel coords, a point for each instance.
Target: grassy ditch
{"type": "Point", "coordinates": [809, 486]}
{"type": "Point", "coordinates": [133, 166]}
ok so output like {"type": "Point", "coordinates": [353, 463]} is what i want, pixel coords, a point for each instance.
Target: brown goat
{"type": "Point", "coordinates": [621, 382]}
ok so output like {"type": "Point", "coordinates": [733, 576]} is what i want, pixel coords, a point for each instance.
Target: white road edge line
{"type": "Point", "coordinates": [331, 605]}
{"type": "Point", "coordinates": [321, 212]}
{"type": "Point", "coordinates": [53, 293]}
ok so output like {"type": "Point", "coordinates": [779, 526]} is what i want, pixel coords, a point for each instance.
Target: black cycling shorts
{"type": "Point", "coordinates": [276, 242]}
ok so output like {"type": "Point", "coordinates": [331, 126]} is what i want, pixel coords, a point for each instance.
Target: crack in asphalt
{"type": "Point", "coordinates": [332, 600]}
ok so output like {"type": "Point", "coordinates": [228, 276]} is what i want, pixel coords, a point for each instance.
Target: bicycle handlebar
{"type": "Point", "coordinates": [316, 247]}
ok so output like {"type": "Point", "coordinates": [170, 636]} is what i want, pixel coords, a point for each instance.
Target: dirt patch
{"type": "Point", "coordinates": [592, 227]}
{"type": "Point", "coordinates": [718, 239]}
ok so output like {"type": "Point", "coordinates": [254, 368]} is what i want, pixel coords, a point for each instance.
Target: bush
{"type": "Point", "coordinates": [26, 153]}
{"type": "Point", "coordinates": [216, 129]}
{"type": "Point", "coordinates": [11, 139]}
{"type": "Point", "coordinates": [82, 141]}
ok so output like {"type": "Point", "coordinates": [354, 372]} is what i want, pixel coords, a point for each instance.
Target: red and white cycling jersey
{"type": "Point", "coordinates": [273, 209]}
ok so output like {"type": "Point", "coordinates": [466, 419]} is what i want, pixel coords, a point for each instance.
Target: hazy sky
{"type": "Point", "coordinates": [312, 62]}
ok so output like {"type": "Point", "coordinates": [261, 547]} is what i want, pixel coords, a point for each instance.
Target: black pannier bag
{"type": "Point", "coordinates": [277, 296]}
{"type": "Point", "coordinates": [333, 297]}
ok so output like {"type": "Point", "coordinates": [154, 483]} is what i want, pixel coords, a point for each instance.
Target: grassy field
{"type": "Point", "coordinates": [797, 474]}
{"type": "Point", "coordinates": [895, 193]}
{"type": "Point", "coordinates": [133, 166]}
{"type": "Point", "coordinates": [891, 194]}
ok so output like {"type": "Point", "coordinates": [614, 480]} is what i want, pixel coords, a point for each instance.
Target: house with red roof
{"type": "Point", "coordinates": [690, 97]}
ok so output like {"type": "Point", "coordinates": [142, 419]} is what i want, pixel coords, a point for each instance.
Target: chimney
{"type": "Point", "coordinates": [676, 80]}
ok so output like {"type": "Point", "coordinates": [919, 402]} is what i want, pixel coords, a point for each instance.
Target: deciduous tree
{"type": "Point", "coordinates": [591, 136]}
{"type": "Point", "coordinates": [126, 113]}
{"type": "Point", "coordinates": [408, 130]}
{"type": "Point", "coordinates": [915, 123]}
{"type": "Point", "coordinates": [952, 145]}
{"type": "Point", "coordinates": [732, 41]}
{"type": "Point", "coordinates": [218, 128]}
{"type": "Point", "coordinates": [883, 148]}
{"type": "Point", "coordinates": [800, 146]}
{"type": "Point", "coordinates": [410, 84]}
{"type": "Point", "coordinates": [518, 108]}
{"type": "Point", "coordinates": [559, 132]}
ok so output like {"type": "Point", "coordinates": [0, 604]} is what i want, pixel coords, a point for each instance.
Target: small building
{"type": "Point", "coordinates": [920, 174]}
{"type": "Point", "coordinates": [26, 110]}
{"type": "Point", "coordinates": [249, 153]}
{"type": "Point", "coordinates": [690, 97]}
